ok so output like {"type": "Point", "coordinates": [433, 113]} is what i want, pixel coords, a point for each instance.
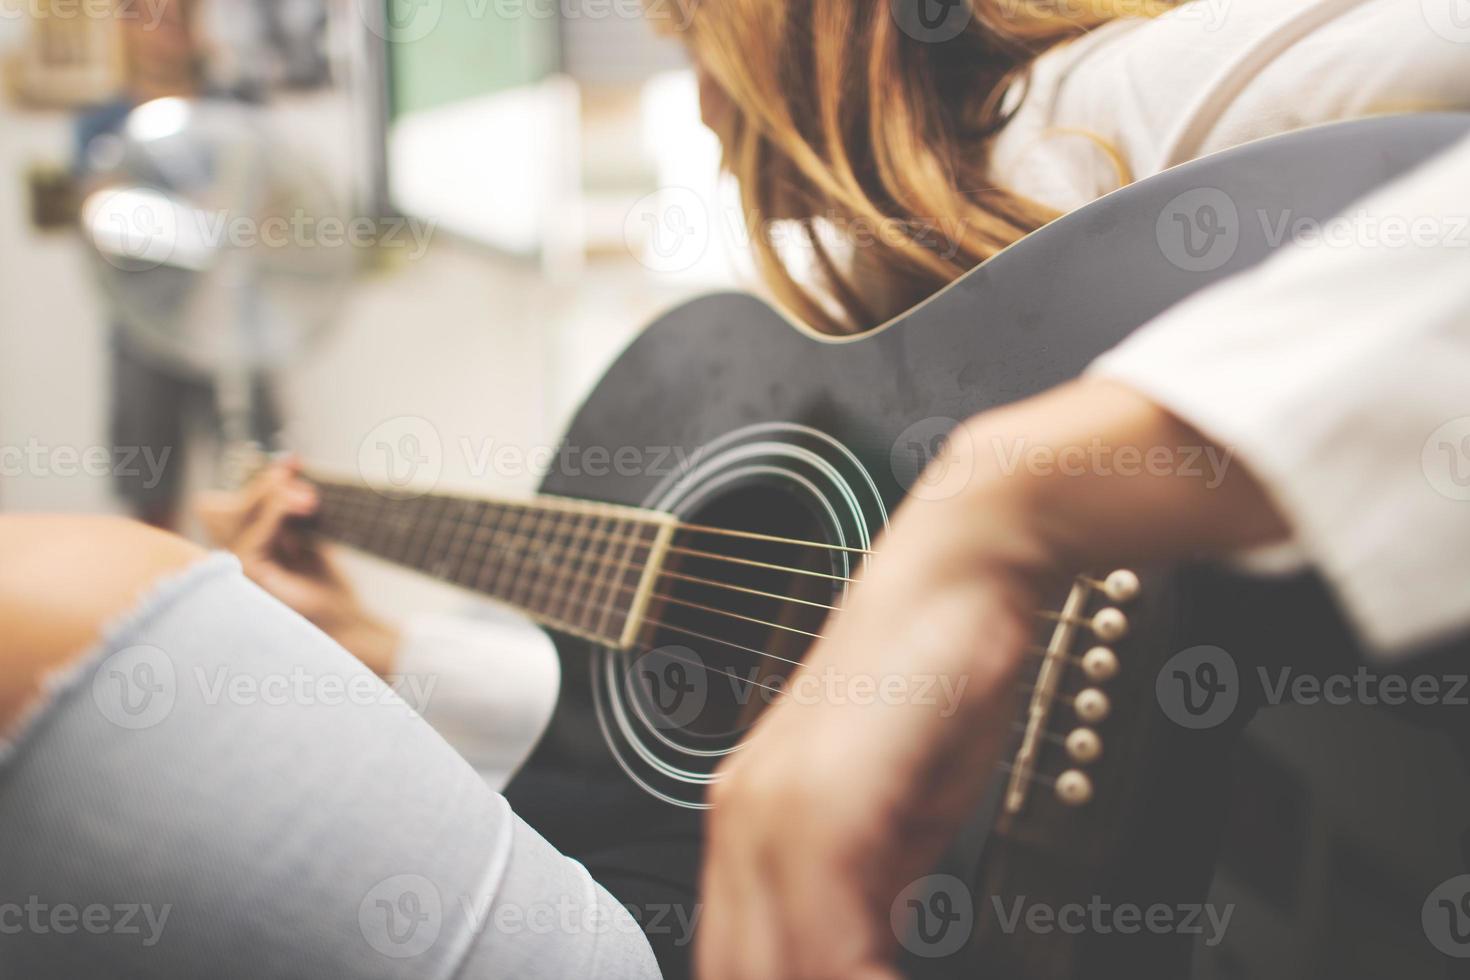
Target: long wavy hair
{"type": "Point", "coordinates": [868, 133]}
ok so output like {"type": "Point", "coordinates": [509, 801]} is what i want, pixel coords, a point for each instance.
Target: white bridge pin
{"type": "Point", "coordinates": [1074, 788]}
{"type": "Point", "coordinates": [1084, 745]}
{"type": "Point", "coordinates": [1091, 706]}
{"type": "Point", "coordinates": [1121, 585]}
{"type": "Point", "coordinates": [1109, 624]}
{"type": "Point", "coordinates": [1100, 664]}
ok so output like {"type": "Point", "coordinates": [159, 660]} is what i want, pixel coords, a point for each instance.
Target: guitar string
{"type": "Point", "coordinates": [585, 605]}
{"type": "Point", "coordinates": [741, 588]}
{"type": "Point", "coordinates": [588, 603]}
{"type": "Point", "coordinates": [573, 515]}
{"type": "Point", "coordinates": [695, 552]}
{"type": "Point", "coordinates": [567, 575]}
{"type": "Point", "coordinates": [708, 669]}
{"type": "Point", "coordinates": [596, 585]}
{"type": "Point", "coordinates": [577, 606]}
{"type": "Point", "coordinates": [570, 572]}
{"type": "Point", "coordinates": [572, 535]}
{"type": "Point", "coordinates": [726, 612]}
{"type": "Point", "coordinates": [1033, 773]}
{"type": "Point", "coordinates": [777, 692]}
{"type": "Point", "coordinates": [551, 551]}
{"type": "Point", "coordinates": [731, 532]}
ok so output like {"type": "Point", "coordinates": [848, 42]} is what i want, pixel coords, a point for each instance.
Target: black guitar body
{"type": "Point", "coordinates": [737, 418]}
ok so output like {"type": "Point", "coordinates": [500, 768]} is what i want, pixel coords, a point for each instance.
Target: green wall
{"type": "Point", "coordinates": [476, 47]}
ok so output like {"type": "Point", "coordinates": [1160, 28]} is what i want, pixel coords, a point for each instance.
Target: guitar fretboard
{"type": "Point", "coordinates": [581, 567]}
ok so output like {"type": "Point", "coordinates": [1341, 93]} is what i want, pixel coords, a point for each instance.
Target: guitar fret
{"type": "Point", "coordinates": [631, 574]}
{"type": "Point", "coordinates": [551, 592]}
{"type": "Point", "coordinates": [617, 569]}
{"type": "Point", "coordinates": [478, 533]}
{"type": "Point", "coordinates": [560, 539]}
{"type": "Point", "coordinates": [428, 518]}
{"type": "Point", "coordinates": [360, 524]}
{"type": "Point", "coordinates": [508, 567]}
{"type": "Point", "coordinates": [392, 522]}
{"type": "Point", "coordinates": [434, 557]}
{"type": "Point", "coordinates": [574, 566]}
{"type": "Point", "coordinates": [531, 569]}
{"type": "Point", "coordinates": [569, 583]}
{"type": "Point", "coordinates": [607, 526]}
{"type": "Point", "coordinates": [410, 513]}
{"type": "Point", "coordinates": [469, 519]}
{"type": "Point", "coordinates": [487, 564]}
{"type": "Point", "coordinates": [378, 528]}
{"type": "Point", "coordinates": [444, 557]}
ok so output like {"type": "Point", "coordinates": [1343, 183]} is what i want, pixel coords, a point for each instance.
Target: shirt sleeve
{"type": "Point", "coordinates": [1339, 373]}
{"type": "Point", "coordinates": [1138, 95]}
{"type": "Point", "coordinates": [485, 679]}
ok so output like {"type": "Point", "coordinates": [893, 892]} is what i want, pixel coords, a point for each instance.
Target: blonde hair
{"type": "Point", "coordinates": [838, 115]}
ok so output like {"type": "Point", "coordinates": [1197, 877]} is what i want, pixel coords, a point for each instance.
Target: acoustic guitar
{"type": "Point", "coordinates": [720, 488]}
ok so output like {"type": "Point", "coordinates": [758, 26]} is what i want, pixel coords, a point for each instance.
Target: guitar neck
{"type": "Point", "coordinates": [578, 567]}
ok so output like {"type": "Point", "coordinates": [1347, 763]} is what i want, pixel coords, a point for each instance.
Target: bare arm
{"type": "Point", "coordinates": [810, 846]}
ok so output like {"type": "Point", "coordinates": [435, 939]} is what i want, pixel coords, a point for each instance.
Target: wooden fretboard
{"type": "Point", "coordinates": [576, 566]}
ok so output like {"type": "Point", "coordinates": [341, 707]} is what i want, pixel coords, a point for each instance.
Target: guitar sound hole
{"type": "Point", "coordinates": [735, 613]}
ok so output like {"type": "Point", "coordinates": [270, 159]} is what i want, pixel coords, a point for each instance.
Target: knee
{"type": "Point", "coordinates": [62, 580]}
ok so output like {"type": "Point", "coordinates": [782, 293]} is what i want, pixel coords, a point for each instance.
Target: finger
{"type": "Point", "coordinates": [827, 927]}
{"type": "Point", "coordinates": [745, 901]}
{"type": "Point", "coordinates": [257, 540]}
{"type": "Point", "coordinates": [732, 943]}
{"type": "Point", "coordinates": [225, 514]}
{"type": "Point", "coordinates": [295, 497]}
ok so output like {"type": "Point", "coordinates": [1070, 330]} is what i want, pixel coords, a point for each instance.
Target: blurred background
{"type": "Point", "coordinates": [314, 223]}
{"type": "Point", "coordinates": [298, 220]}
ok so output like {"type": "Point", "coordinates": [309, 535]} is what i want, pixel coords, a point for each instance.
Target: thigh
{"type": "Point", "coordinates": [222, 790]}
